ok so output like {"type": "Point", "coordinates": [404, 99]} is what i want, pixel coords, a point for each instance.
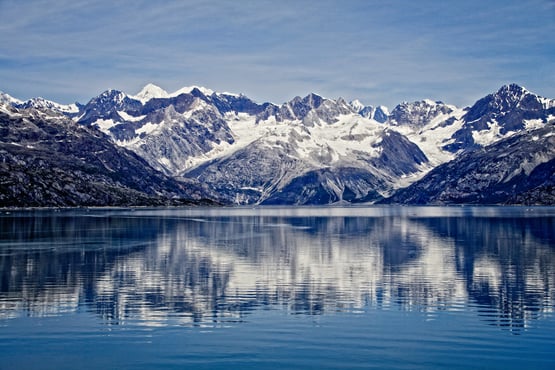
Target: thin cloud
{"type": "Point", "coordinates": [380, 53]}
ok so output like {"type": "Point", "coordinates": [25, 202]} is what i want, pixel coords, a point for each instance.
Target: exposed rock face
{"type": "Point", "coordinates": [419, 113]}
{"type": "Point", "coordinates": [164, 131]}
{"type": "Point", "coordinates": [311, 109]}
{"type": "Point", "coordinates": [48, 160]}
{"type": "Point", "coordinates": [516, 170]}
{"type": "Point", "coordinates": [398, 155]}
{"type": "Point", "coordinates": [503, 112]}
{"type": "Point", "coordinates": [329, 185]}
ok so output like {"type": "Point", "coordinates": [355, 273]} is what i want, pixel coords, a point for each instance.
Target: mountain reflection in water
{"type": "Point", "coordinates": [212, 266]}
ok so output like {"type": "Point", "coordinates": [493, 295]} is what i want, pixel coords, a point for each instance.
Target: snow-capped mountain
{"type": "Point", "coordinates": [168, 132]}
{"type": "Point", "coordinates": [352, 159]}
{"type": "Point", "coordinates": [519, 169]}
{"type": "Point", "coordinates": [418, 114]}
{"type": "Point", "coordinates": [379, 113]}
{"type": "Point", "coordinates": [511, 109]}
{"type": "Point", "coordinates": [309, 150]}
{"type": "Point", "coordinates": [8, 99]}
{"type": "Point", "coordinates": [151, 91]}
{"type": "Point", "coordinates": [39, 103]}
{"type": "Point", "coordinates": [49, 160]}
{"type": "Point", "coordinates": [252, 153]}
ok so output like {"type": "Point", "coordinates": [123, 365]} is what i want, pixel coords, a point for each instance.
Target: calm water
{"type": "Point", "coordinates": [291, 288]}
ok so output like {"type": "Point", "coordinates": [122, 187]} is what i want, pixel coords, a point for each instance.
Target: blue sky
{"type": "Point", "coordinates": [381, 52]}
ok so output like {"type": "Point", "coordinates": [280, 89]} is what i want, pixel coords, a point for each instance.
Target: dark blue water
{"type": "Point", "coordinates": [266, 288]}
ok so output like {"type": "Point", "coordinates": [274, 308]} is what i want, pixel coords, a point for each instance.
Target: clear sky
{"type": "Point", "coordinates": [381, 52]}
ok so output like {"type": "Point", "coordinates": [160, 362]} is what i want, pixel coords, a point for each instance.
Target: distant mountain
{"type": "Point", "coordinates": [8, 99]}
{"type": "Point", "coordinates": [378, 114]}
{"type": "Point", "coordinates": [519, 169]}
{"type": "Point", "coordinates": [309, 150]}
{"type": "Point", "coordinates": [48, 160]}
{"type": "Point", "coordinates": [418, 114]}
{"type": "Point", "coordinates": [39, 103]}
{"type": "Point", "coordinates": [42, 104]}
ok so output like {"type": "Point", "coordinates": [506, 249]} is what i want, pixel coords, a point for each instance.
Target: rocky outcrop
{"type": "Point", "coordinates": [48, 160]}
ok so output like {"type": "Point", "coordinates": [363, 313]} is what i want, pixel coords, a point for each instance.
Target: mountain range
{"type": "Point", "coordinates": [197, 145]}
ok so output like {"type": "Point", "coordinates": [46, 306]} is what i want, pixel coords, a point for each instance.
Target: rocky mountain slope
{"type": "Point", "coordinates": [310, 150]}
{"type": "Point", "coordinates": [48, 160]}
{"type": "Point", "coordinates": [517, 170]}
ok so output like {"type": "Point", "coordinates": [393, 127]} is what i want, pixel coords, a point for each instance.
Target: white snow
{"type": "Point", "coordinates": [196, 106]}
{"type": "Point", "coordinates": [188, 89]}
{"type": "Point", "coordinates": [533, 124]}
{"type": "Point", "coordinates": [105, 125]}
{"type": "Point", "coordinates": [165, 161]}
{"type": "Point", "coordinates": [127, 117]}
{"type": "Point", "coordinates": [48, 104]}
{"type": "Point", "coordinates": [6, 98]}
{"type": "Point", "coordinates": [384, 109]}
{"type": "Point", "coordinates": [430, 138]}
{"type": "Point", "coordinates": [227, 93]}
{"type": "Point", "coordinates": [357, 105]}
{"type": "Point", "coordinates": [72, 108]}
{"type": "Point", "coordinates": [331, 143]}
{"type": "Point", "coordinates": [147, 128]}
{"type": "Point", "coordinates": [251, 188]}
{"type": "Point", "coordinates": [150, 91]}
{"type": "Point", "coordinates": [492, 134]}
{"type": "Point", "coordinates": [310, 143]}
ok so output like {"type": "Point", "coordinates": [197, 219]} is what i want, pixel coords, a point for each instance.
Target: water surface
{"type": "Point", "coordinates": [297, 288]}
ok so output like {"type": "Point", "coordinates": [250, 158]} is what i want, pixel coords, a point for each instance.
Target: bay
{"type": "Point", "coordinates": [271, 287]}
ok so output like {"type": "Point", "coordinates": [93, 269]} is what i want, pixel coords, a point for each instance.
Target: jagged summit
{"type": "Point", "coordinates": [512, 88]}
{"type": "Point", "coordinates": [379, 113]}
{"type": "Point", "coordinates": [307, 150]}
{"type": "Point", "coordinates": [418, 113]}
{"type": "Point", "coordinates": [508, 107]}
{"type": "Point", "coordinates": [508, 97]}
{"type": "Point", "coordinates": [357, 105]}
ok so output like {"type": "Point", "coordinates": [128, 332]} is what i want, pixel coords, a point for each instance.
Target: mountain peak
{"type": "Point", "coordinates": [150, 91]}
{"type": "Point", "coordinates": [356, 105]}
{"type": "Point", "coordinates": [506, 99]}
{"type": "Point", "coordinates": [8, 99]}
{"type": "Point", "coordinates": [190, 89]}
{"type": "Point", "coordinates": [511, 92]}
{"type": "Point", "coordinates": [513, 87]}
{"type": "Point", "coordinates": [418, 113]}
{"type": "Point", "coordinates": [42, 103]}
{"type": "Point", "coordinates": [110, 95]}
